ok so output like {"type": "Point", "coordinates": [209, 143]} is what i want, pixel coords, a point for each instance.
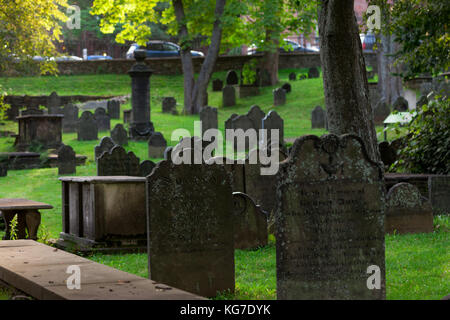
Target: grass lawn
{"type": "Point", "coordinates": [417, 265]}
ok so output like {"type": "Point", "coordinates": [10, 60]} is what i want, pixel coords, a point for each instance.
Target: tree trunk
{"type": "Point", "coordinates": [344, 74]}
{"type": "Point", "coordinates": [269, 61]}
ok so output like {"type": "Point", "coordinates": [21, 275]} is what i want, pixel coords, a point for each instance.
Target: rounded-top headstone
{"type": "Point", "coordinates": [287, 87]}
{"type": "Point", "coordinates": [318, 118]}
{"type": "Point", "coordinates": [228, 96]}
{"type": "Point", "coordinates": [119, 135]}
{"type": "Point", "coordinates": [401, 104]}
{"type": "Point", "coordinates": [279, 97]}
{"type": "Point", "coordinates": [313, 73]}
{"type": "Point", "coordinates": [232, 78]}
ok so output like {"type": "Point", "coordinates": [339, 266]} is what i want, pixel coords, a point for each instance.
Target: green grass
{"type": "Point", "coordinates": [417, 265]}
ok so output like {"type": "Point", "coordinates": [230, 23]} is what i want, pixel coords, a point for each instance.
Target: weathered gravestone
{"type": "Point", "coordinates": [235, 170]}
{"type": "Point", "coordinates": [439, 194]}
{"type": "Point", "coordinates": [106, 144]}
{"type": "Point", "coordinates": [232, 78]}
{"type": "Point", "coordinates": [103, 120]}
{"type": "Point", "coordinates": [313, 73]}
{"type": "Point", "coordinates": [229, 122]}
{"type": "Point", "coordinates": [318, 118]}
{"type": "Point", "coordinates": [292, 76]}
{"type": "Point", "coordinates": [119, 135]}
{"type": "Point", "coordinates": [272, 121]}
{"type": "Point", "coordinates": [113, 107]}
{"type": "Point", "coordinates": [70, 120]}
{"type": "Point", "coordinates": [279, 97]}
{"type": "Point", "coordinates": [250, 223]}
{"type": "Point", "coordinates": [407, 211]}
{"type": "Point", "coordinates": [217, 85]}
{"type": "Point", "coordinates": [169, 104]}
{"type": "Point", "coordinates": [256, 115]}
{"type": "Point", "coordinates": [208, 117]}
{"type": "Point", "coordinates": [156, 145]}
{"type": "Point", "coordinates": [287, 87]}
{"type": "Point", "coordinates": [66, 160]}
{"type": "Point", "coordinates": [190, 233]}
{"type": "Point", "coordinates": [330, 221]}
{"type": "Point", "coordinates": [400, 104]}
{"type": "Point", "coordinates": [127, 116]}
{"type": "Point", "coordinates": [118, 162]}
{"type": "Point", "coordinates": [244, 137]}
{"type": "Point", "coordinates": [146, 167]}
{"type": "Point", "coordinates": [31, 111]}
{"type": "Point", "coordinates": [228, 96]}
{"type": "Point", "coordinates": [381, 111]}
{"type": "Point", "coordinates": [54, 104]}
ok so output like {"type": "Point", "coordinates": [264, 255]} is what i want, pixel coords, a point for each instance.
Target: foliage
{"type": "Point", "coordinates": [30, 28]}
{"type": "Point", "coordinates": [249, 72]}
{"type": "Point", "coordinates": [3, 105]}
{"type": "Point", "coordinates": [427, 147]}
{"type": "Point", "coordinates": [13, 228]}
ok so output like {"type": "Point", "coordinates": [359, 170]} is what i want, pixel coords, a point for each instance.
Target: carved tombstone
{"type": "Point", "coordinates": [330, 221]}
{"type": "Point", "coordinates": [273, 122]}
{"type": "Point", "coordinates": [54, 104]}
{"type": "Point", "coordinates": [279, 97]}
{"type": "Point", "coordinates": [209, 118]}
{"type": "Point", "coordinates": [70, 119]}
{"type": "Point", "coordinates": [190, 233]}
{"type": "Point", "coordinates": [169, 104]}
{"type": "Point", "coordinates": [119, 135]}
{"type": "Point", "coordinates": [103, 120]}
{"type": "Point", "coordinates": [66, 160]}
{"type": "Point", "coordinates": [318, 118]}
{"type": "Point", "coordinates": [87, 127]}
{"type": "Point", "coordinates": [156, 145]}
{"type": "Point", "coordinates": [228, 96]}
{"type": "Point", "coordinates": [106, 144]}
{"type": "Point", "coordinates": [232, 78]}
{"type": "Point", "coordinates": [256, 115]}
{"type": "Point", "coordinates": [118, 162]}
{"type": "Point", "coordinates": [113, 107]}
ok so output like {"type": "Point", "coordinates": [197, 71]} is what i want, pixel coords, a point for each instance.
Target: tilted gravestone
{"type": "Point", "coordinates": [400, 104]}
{"type": "Point", "coordinates": [232, 78]}
{"type": "Point", "coordinates": [66, 160]}
{"type": "Point", "coordinates": [209, 118]}
{"type": "Point", "coordinates": [380, 112]}
{"type": "Point", "coordinates": [318, 118]}
{"type": "Point", "coordinates": [313, 73]}
{"type": "Point", "coordinates": [103, 120]}
{"type": "Point", "coordinates": [169, 104]}
{"type": "Point", "coordinates": [106, 144]}
{"type": "Point", "coordinates": [70, 119]}
{"type": "Point", "coordinates": [273, 121]}
{"type": "Point", "coordinates": [330, 221]}
{"type": "Point", "coordinates": [279, 97]}
{"type": "Point", "coordinates": [250, 223]}
{"type": "Point", "coordinates": [287, 87]}
{"type": "Point", "coordinates": [113, 107]}
{"type": "Point", "coordinates": [118, 162]}
{"type": "Point", "coordinates": [87, 127]}
{"type": "Point", "coordinates": [156, 145]}
{"type": "Point", "coordinates": [292, 76]}
{"type": "Point", "coordinates": [217, 85]}
{"type": "Point", "coordinates": [54, 104]}
{"type": "Point", "coordinates": [407, 211]}
{"type": "Point", "coordinates": [190, 233]}
{"type": "Point", "coordinates": [439, 194]}
{"type": "Point", "coordinates": [146, 167]}
{"type": "Point", "coordinates": [119, 135]}
{"type": "Point", "coordinates": [228, 96]}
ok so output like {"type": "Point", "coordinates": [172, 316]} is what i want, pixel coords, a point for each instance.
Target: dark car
{"type": "Point", "coordinates": [157, 49]}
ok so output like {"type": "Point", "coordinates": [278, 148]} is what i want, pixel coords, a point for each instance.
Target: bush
{"type": "Point", "coordinates": [427, 146]}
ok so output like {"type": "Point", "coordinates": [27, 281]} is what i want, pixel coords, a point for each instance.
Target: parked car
{"type": "Point", "coordinates": [289, 46]}
{"type": "Point", "coordinates": [59, 58]}
{"type": "Point", "coordinates": [99, 57]}
{"type": "Point", "coordinates": [368, 41]}
{"type": "Point", "coordinates": [156, 48]}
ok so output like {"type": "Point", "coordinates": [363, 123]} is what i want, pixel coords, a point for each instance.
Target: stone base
{"type": "Point", "coordinates": [70, 242]}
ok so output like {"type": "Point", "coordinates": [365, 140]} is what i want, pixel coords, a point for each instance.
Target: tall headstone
{"type": "Point", "coordinates": [400, 104]}
{"type": "Point", "coordinates": [279, 97]}
{"type": "Point", "coordinates": [330, 221]}
{"type": "Point", "coordinates": [313, 73]}
{"type": "Point", "coordinates": [113, 107]}
{"type": "Point", "coordinates": [190, 233]}
{"type": "Point", "coordinates": [118, 162]}
{"type": "Point", "coordinates": [380, 112]}
{"type": "Point", "coordinates": [140, 126]}
{"type": "Point", "coordinates": [106, 145]}
{"type": "Point", "coordinates": [156, 145]}
{"type": "Point", "coordinates": [70, 119]}
{"type": "Point", "coordinates": [439, 194]}
{"type": "Point", "coordinates": [127, 116]}
{"type": "Point", "coordinates": [318, 118]}
{"type": "Point", "coordinates": [66, 160]}
{"type": "Point", "coordinates": [217, 85]}
{"type": "Point", "coordinates": [273, 121]}
{"type": "Point", "coordinates": [245, 123]}
{"type": "Point", "coordinates": [250, 223]}
{"type": "Point", "coordinates": [103, 120]}
{"type": "Point", "coordinates": [256, 115]}
{"type": "Point", "coordinates": [209, 118]}
{"type": "Point", "coordinates": [232, 78]}
{"type": "Point", "coordinates": [228, 96]}
{"type": "Point", "coordinates": [119, 135]}
{"type": "Point", "coordinates": [407, 211]}
{"type": "Point", "coordinates": [229, 122]}
{"type": "Point", "coordinates": [169, 104]}
{"type": "Point", "coordinates": [54, 103]}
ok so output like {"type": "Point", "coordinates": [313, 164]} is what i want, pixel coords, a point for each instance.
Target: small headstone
{"type": "Point", "coordinates": [256, 115]}
{"type": "Point", "coordinates": [118, 162]}
{"type": "Point", "coordinates": [439, 194]}
{"type": "Point", "coordinates": [54, 103]}
{"type": "Point", "coordinates": [228, 96]}
{"type": "Point", "coordinates": [318, 118]}
{"type": "Point", "coordinates": [330, 221]}
{"type": "Point", "coordinates": [388, 154]}
{"type": "Point", "coordinates": [292, 76]}
{"type": "Point", "coordinates": [87, 127]}
{"type": "Point", "coordinates": [113, 107]}
{"type": "Point", "coordinates": [287, 87]}
{"type": "Point", "coordinates": [119, 135]}
{"type": "Point", "coordinates": [407, 211]}
{"type": "Point", "coordinates": [169, 104]}
{"type": "Point", "coordinates": [103, 120]}
{"type": "Point", "coordinates": [66, 160]}
{"type": "Point", "coordinates": [279, 97]}
{"type": "Point", "coordinates": [146, 167]}
{"type": "Point", "coordinates": [232, 78]}
{"type": "Point", "coordinates": [190, 232]}
{"type": "Point", "coordinates": [127, 116]}
{"type": "Point", "coordinates": [313, 73]}
{"type": "Point", "coordinates": [209, 118]}
{"type": "Point", "coordinates": [106, 145]}
{"type": "Point", "coordinates": [217, 85]}
{"type": "Point", "coordinates": [381, 111]}
{"type": "Point", "coordinates": [156, 145]}
{"type": "Point", "coordinates": [70, 119]}
{"type": "Point", "coordinates": [273, 121]}
{"type": "Point", "coordinates": [401, 104]}
{"type": "Point", "coordinates": [250, 223]}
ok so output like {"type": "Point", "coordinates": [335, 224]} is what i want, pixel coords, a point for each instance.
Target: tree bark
{"type": "Point", "coordinates": [344, 74]}
{"type": "Point", "coordinates": [269, 61]}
